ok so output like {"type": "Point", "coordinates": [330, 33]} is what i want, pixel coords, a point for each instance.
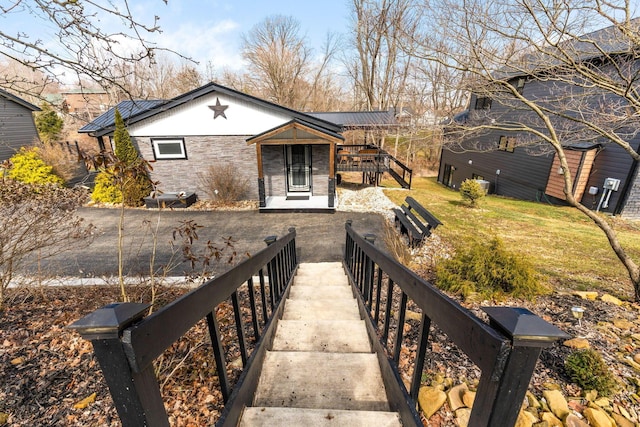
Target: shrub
{"type": "Point", "coordinates": [29, 168]}
{"type": "Point", "coordinates": [64, 163]}
{"type": "Point", "coordinates": [587, 369]}
{"type": "Point", "coordinates": [125, 178]}
{"type": "Point", "coordinates": [48, 123]}
{"type": "Point", "coordinates": [490, 270]}
{"type": "Point", "coordinates": [105, 190]}
{"type": "Point", "coordinates": [471, 191]}
{"type": "Point", "coordinates": [223, 184]}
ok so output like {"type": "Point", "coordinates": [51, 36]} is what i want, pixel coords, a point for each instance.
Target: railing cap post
{"type": "Point", "coordinates": [292, 229]}
{"type": "Point", "coordinates": [524, 328]}
{"type": "Point", "coordinates": [349, 222]}
{"type": "Point", "coordinates": [270, 240]}
{"type": "Point", "coordinates": [107, 322]}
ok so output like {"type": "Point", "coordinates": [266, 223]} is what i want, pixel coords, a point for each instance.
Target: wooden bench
{"type": "Point", "coordinates": [415, 221]}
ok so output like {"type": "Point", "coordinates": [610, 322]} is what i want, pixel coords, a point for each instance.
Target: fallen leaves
{"type": "Point", "coordinates": [86, 401]}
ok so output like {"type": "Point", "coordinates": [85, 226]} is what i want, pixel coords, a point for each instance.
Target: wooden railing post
{"type": "Point", "coordinates": [136, 395]}
{"type": "Point", "coordinates": [499, 404]}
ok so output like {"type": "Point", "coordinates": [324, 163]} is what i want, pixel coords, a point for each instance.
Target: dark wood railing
{"type": "Point", "coordinates": [372, 162]}
{"type": "Point", "coordinates": [505, 350]}
{"type": "Point", "coordinates": [126, 343]}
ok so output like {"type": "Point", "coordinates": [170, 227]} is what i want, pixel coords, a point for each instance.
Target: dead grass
{"type": "Point", "coordinates": [563, 244]}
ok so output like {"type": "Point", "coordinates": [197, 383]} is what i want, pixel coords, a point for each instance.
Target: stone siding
{"type": "Point", "coordinates": [320, 169]}
{"type": "Point", "coordinates": [274, 170]}
{"type": "Point", "coordinates": [631, 208]}
{"type": "Point", "coordinates": [202, 152]}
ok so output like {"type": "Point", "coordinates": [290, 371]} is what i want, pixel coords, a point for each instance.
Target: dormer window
{"type": "Point", "coordinates": [483, 103]}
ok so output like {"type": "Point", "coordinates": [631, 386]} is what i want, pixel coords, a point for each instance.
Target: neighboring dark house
{"type": "Point", "coordinates": [287, 156]}
{"type": "Point", "coordinates": [605, 176]}
{"type": "Point", "coordinates": [17, 127]}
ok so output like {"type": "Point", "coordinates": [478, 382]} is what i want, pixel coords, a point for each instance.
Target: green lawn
{"type": "Point", "coordinates": [564, 245]}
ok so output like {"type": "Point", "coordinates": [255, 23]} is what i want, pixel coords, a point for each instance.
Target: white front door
{"type": "Point", "coordinates": [298, 168]}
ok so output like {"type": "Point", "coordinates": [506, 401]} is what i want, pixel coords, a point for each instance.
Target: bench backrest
{"type": "Point", "coordinates": [431, 220]}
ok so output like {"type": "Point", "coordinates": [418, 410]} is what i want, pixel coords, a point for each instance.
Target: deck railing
{"type": "Point", "coordinates": [126, 343]}
{"type": "Point", "coordinates": [505, 350]}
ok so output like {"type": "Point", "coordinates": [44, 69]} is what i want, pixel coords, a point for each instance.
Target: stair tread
{"type": "Point", "coordinates": [321, 380]}
{"type": "Point", "coordinates": [336, 336]}
{"type": "Point", "coordinates": [273, 416]}
{"type": "Point", "coordinates": [311, 293]}
{"type": "Point", "coordinates": [324, 309]}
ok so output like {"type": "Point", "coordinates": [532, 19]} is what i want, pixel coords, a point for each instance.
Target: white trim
{"type": "Point", "coordinates": [156, 142]}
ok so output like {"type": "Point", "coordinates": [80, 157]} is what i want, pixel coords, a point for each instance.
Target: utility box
{"type": "Point", "coordinates": [486, 185]}
{"type": "Point", "coordinates": [611, 184]}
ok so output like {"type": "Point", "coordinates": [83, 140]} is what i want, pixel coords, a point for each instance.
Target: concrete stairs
{"type": "Point", "coordinates": [321, 370]}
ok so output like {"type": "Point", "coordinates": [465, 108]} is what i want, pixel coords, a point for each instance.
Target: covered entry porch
{"type": "Point", "coordinates": [296, 167]}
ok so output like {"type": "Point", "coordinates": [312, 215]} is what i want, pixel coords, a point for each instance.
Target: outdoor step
{"type": "Point", "coordinates": [269, 417]}
{"type": "Point", "coordinates": [318, 380]}
{"type": "Point", "coordinates": [321, 309]}
{"type": "Point", "coordinates": [321, 279]}
{"type": "Point", "coordinates": [335, 336]}
{"type": "Point", "coordinates": [306, 267]}
{"type": "Point", "coordinates": [310, 293]}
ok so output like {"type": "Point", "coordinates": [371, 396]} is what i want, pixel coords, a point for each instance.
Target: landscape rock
{"type": "Point", "coordinates": [611, 299]}
{"type": "Point", "coordinates": [430, 400]}
{"type": "Point", "coordinates": [526, 419]}
{"type": "Point", "coordinates": [621, 421]}
{"type": "Point", "coordinates": [532, 402]}
{"type": "Point", "coordinates": [412, 315]}
{"type": "Point", "coordinates": [622, 324]}
{"type": "Point", "coordinates": [454, 396]}
{"type": "Point", "coordinates": [586, 295]}
{"type": "Point", "coordinates": [636, 357]}
{"type": "Point", "coordinates": [598, 418]}
{"type": "Point", "coordinates": [577, 343]}
{"type": "Point", "coordinates": [557, 403]}
{"type": "Point", "coordinates": [573, 420]}
{"type": "Point", "coordinates": [462, 417]}
{"type": "Point", "coordinates": [468, 397]}
{"type": "Point", "coordinates": [551, 419]}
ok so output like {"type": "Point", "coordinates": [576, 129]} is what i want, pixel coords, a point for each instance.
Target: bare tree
{"type": "Point", "coordinates": [589, 79]}
{"type": "Point", "coordinates": [76, 42]}
{"type": "Point", "coordinates": [278, 58]}
{"type": "Point", "coordinates": [37, 221]}
{"type": "Point", "coordinates": [383, 62]}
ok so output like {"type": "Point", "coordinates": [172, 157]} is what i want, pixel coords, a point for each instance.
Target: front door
{"type": "Point", "coordinates": [298, 168]}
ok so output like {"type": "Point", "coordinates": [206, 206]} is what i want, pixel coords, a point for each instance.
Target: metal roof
{"type": "Point", "coordinates": [141, 111]}
{"type": "Point", "coordinates": [359, 119]}
{"type": "Point", "coordinates": [608, 41]}
{"type": "Point", "coordinates": [127, 109]}
{"type": "Point", "coordinates": [18, 100]}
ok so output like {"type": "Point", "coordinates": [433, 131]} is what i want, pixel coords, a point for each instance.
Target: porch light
{"type": "Point", "coordinates": [577, 313]}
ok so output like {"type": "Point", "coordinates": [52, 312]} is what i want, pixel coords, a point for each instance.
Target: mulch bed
{"type": "Point", "coordinates": [50, 375]}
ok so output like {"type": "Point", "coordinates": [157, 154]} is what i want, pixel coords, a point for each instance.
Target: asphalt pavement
{"type": "Point", "coordinates": [320, 237]}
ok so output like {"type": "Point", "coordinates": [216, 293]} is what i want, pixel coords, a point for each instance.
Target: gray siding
{"type": "Point", "coordinates": [523, 175]}
{"type": "Point", "coordinates": [17, 128]}
{"type": "Point", "coordinates": [202, 152]}
{"type": "Point", "coordinates": [632, 206]}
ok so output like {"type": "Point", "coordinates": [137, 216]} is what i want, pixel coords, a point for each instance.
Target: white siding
{"type": "Point", "coordinates": [195, 118]}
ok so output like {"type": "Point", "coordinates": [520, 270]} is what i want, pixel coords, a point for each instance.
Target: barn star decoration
{"type": "Point", "coordinates": [218, 109]}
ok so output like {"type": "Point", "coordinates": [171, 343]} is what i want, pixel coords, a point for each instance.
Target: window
{"type": "Point", "coordinates": [507, 143]}
{"type": "Point", "coordinates": [483, 103]}
{"type": "Point", "coordinates": [165, 149]}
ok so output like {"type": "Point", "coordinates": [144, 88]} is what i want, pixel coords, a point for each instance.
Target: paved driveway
{"type": "Point", "coordinates": [320, 237]}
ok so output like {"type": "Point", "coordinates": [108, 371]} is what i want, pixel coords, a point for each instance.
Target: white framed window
{"type": "Point", "coordinates": [169, 148]}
